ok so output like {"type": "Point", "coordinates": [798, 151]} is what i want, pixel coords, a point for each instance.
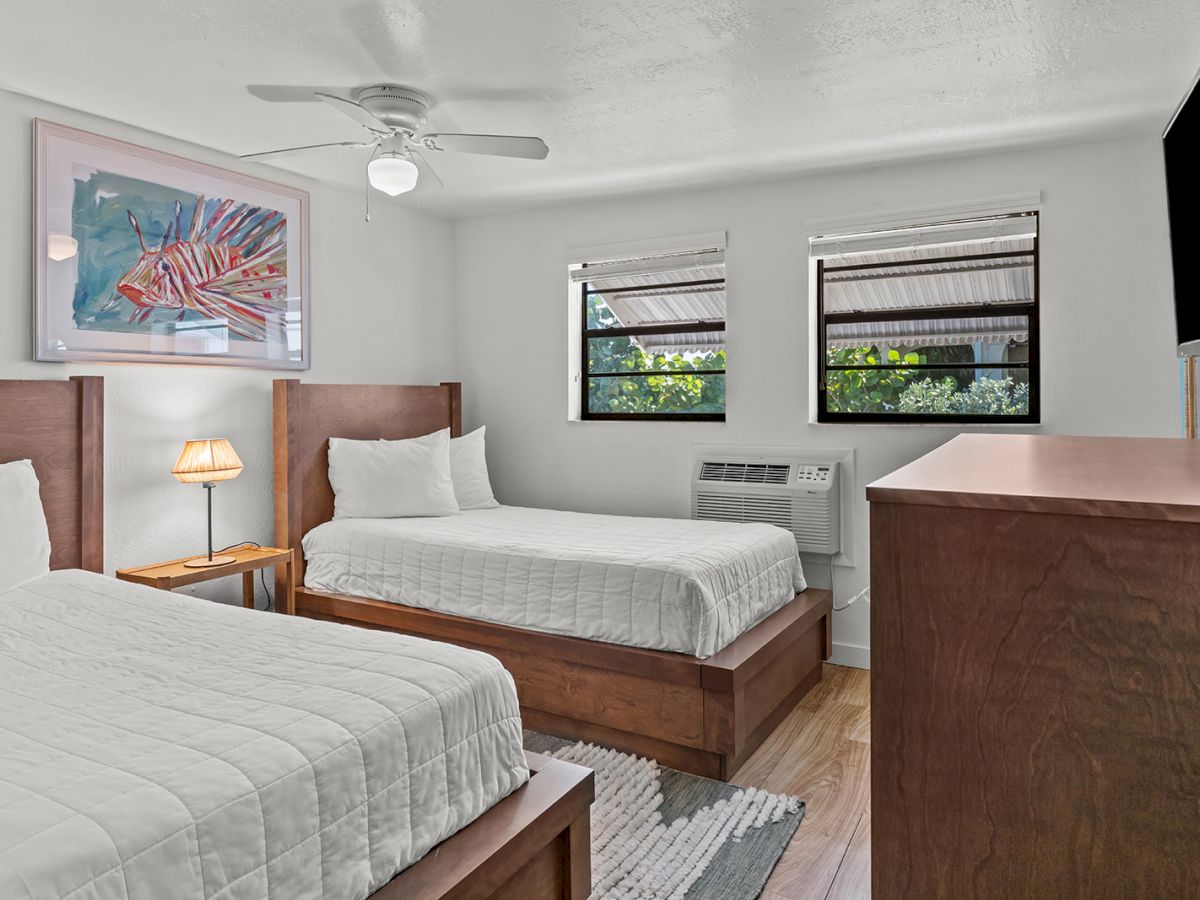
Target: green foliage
{"type": "Point", "coordinates": [623, 354]}
{"type": "Point", "coordinates": [679, 389]}
{"type": "Point", "coordinates": [867, 389]}
{"type": "Point", "coordinates": [673, 393]}
{"type": "Point", "coordinates": [985, 397]}
{"type": "Point", "coordinates": [872, 390]}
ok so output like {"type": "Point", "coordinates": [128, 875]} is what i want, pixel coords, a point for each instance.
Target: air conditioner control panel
{"type": "Point", "coordinates": [813, 474]}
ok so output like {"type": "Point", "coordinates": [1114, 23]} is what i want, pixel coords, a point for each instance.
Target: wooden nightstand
{"type": "Point", "coordinates": [168, 576]}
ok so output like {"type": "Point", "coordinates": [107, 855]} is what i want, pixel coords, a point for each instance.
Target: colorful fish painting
{"type": "Point", "coordinates": [231, 266]}
{"type": "Point", "coordinates": [152, 256]}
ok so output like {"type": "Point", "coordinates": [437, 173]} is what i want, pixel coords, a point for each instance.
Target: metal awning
{"type": "Point", "coordinates": [996, 273]}
{"type": "Point", "coordinates": [929, 332]}
{"type": "Point", "coordinates": [665, 298]}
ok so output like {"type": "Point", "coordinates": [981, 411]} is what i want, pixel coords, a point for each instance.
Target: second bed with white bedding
{"type": "Point", "coordinates": [666, 584]}
{"type": "Point", "coordinates": [156, 746]}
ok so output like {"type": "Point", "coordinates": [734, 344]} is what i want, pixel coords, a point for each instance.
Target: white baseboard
{"type": "Point", "coordinates": [851, 655]}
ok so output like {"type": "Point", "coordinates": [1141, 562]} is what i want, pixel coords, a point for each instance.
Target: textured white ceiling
{"type": "Point", "coordinates": [629, 94]}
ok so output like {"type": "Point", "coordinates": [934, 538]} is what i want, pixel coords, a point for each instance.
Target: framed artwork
{"type": "Point", "coordinates": [142, 256]}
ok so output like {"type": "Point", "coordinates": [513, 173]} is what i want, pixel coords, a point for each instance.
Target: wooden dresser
{"type": "Point", "coordinates": [1035, 670]}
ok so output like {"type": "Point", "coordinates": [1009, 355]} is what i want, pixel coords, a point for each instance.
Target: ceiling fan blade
{"type": "Point", "coordinates": [488, 145]}
{"type": "Point", "coordinates": [426, 168]}
{"type": "Point", "coordinates": [288, 93]}
{"type": "Point", "coordinates": [359, 114]}
{"type": "Point", "coordinates": [358, 145]}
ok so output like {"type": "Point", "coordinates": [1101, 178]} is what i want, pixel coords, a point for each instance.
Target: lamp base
{"type": "Point", "coordinates": [203, 562]}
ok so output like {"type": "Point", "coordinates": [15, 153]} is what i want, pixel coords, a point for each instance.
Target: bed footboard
{"type": "Point", "coordinates": [704, 716]}
{"type": "Point", "coordinates": [534, 844]}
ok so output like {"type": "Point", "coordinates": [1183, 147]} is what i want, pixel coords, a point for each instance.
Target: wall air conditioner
{"type": "Point", "coordinates": [799, 495]}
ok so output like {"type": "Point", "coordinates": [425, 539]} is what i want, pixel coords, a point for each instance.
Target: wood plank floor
{"type": "Point", "coordinates": [822, 753]}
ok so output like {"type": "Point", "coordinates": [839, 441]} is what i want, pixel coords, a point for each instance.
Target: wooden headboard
{"type": "Point", "coordinates": [59, 425]}
{"type": "Point", "coordinates": [308, 415]}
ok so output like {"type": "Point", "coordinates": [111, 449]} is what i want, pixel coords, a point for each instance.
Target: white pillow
{"type": "Point", "coordinates": [24, 537]}
{"type": "Point", "coordinates": [468, 466]}
{"type": "Point", "coordinates": [392, 479]}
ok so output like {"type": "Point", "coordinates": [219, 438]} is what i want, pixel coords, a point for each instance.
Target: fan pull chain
{"type": "Point", "coordinates": [367, 183]}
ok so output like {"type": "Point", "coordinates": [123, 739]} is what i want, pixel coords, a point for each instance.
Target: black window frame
{"type": "Point", "coordinates": [699, 325]}
{"type": "Point", "coordinates": [983, 310]}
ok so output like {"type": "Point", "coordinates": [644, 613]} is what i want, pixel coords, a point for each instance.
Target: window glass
{"type": "Point", "coordinates": [929, 326]}
{"type": "Point", "coordinates": [653, 342]}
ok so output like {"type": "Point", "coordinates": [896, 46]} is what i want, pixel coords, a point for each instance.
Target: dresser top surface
{"type": "Point", "coordinates": [1156, 478]}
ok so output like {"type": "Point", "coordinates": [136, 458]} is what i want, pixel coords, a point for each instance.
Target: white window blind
{"type": "Point", "coordinates": [655, 265]}
{"type": "Point", "coordinates": [993, 229]}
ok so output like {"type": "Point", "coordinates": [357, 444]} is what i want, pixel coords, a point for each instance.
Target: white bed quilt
{"type": "Point", "coordinates": [667, 584]}
{"type": "Point", "coordinates": [156, 746]}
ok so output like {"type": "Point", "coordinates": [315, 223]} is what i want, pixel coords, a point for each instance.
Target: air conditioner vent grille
{"type": "Point", "coordinates": [813, 522]}
{"type": "Point", "coordinates": [745, 472]}
{"type": "Point", "coordinates": [734, 508]}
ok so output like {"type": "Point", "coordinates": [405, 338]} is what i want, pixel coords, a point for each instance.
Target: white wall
{"type": "Point", "coordinates": [382, 310]}
{"type": "Point", "coordinates": [1107, 344]}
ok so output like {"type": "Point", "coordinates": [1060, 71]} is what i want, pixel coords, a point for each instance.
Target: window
{"type": "Point", "coordinates": [652, 336]}
{"type": "Point", "coordinates": [931, 324]}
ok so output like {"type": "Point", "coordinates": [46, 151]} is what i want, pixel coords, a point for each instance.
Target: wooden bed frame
{"type": "Point", "coordinates": [532, 845]}
{"type": "Point", "coordinates": [704, 716]}
{"type": "Point", "coordinates": [59, 426]}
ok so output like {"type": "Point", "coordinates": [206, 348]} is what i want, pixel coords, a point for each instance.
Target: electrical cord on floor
{"type": "Point", "coordinates": [262, 573]}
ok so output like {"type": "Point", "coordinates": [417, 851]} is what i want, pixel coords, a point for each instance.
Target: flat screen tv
{"type": "Point", "coordinates": [1181, 147]}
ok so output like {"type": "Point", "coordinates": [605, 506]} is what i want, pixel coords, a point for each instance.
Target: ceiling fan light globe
{"type": "Point", "coordinates": [394, 175]}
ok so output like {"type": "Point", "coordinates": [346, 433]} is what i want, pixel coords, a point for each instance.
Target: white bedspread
{"type": "Point", "coordinates": [667, 584]}
{"type": "Point", "coordinates": [156, 746]}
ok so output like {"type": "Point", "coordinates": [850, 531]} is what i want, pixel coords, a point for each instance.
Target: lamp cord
{"type": "Point", "coordinates": [262, 573]}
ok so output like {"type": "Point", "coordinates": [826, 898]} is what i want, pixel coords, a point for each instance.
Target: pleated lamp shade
{"type": "Point", "coordinates": [210, 460]}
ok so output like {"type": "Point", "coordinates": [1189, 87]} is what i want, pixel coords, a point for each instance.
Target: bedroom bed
{"type": "Point", "coordinates": [160, 745]}
{"type": "Point", "coordinates": [675, 651]}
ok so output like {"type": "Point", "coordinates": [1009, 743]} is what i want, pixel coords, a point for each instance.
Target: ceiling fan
{"type": "Point", "coordinates": [395, 119]}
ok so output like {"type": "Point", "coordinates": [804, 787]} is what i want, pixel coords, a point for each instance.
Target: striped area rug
{"type": "Point", "coordinates": [658, 833]}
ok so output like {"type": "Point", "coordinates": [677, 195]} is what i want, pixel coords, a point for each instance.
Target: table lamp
{"type": "Point", "coordinates": [205, 463]}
